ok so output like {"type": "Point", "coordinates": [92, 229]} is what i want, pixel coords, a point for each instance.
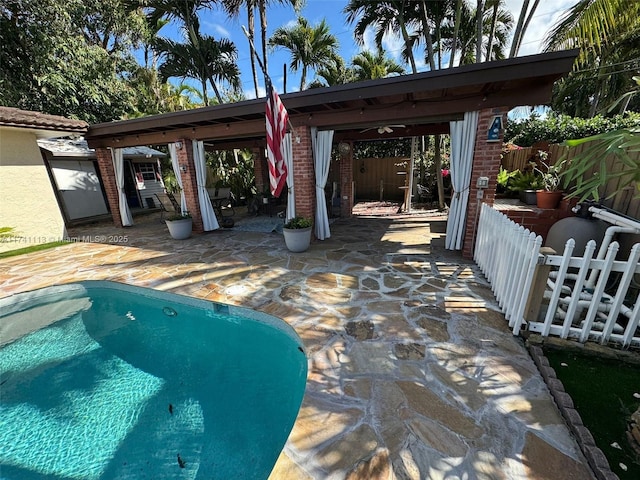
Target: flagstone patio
{"type": "Point", "coordinates": [413, 373]}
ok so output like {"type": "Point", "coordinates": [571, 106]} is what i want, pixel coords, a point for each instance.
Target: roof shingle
{"type": "Point", "coordinates": [14, 117]}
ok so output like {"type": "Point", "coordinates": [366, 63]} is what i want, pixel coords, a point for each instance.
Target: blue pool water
{"type": "Point", "coordinates": [100, 380]}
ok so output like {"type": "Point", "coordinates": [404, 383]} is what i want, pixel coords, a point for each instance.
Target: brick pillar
{"type": "Point", "coordinates": [108, 174]}
{"type": "Point", "coordinates": [303, 172]}
{"type": "Point", "coordinates": [189, 183]}
{"type": "Point", "coordinates": [260, 169]}
{"type": "Point", "coordinates": [346, 183]}
{"type": "Point", "coordinates": [486, 163]}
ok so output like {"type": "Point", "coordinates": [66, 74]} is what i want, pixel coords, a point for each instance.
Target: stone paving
{"type": "Point", "coordinates": [413, 373]}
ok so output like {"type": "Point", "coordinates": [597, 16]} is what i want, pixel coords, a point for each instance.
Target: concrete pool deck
{"type": "Point", "coordinates": [413, 372]}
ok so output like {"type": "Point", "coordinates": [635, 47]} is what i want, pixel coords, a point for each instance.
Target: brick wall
{"type": "Point", "coordinates": [260, 169]}
{"type": "Point", "coordinates": [303, 172]}
{"type": "Point", "coordinates": [486, 163]}
{"type": "Point", "coordinates": [189, 183]}
{"type": "Point", "coordinates": [108, 174]}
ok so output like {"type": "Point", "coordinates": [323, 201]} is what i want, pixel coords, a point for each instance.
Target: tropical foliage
{"type": "Point", "coordinates": [558, 128]}
{"type": "Point", "coordinates": [620, 143]}
{"type": "Point", "coordinates": [607, 32]}
{"type": "Point", "coordinates": [310, 46]}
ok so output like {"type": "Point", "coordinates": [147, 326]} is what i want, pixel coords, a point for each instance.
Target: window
{"type": "Point", "coordinates": [147, 170]}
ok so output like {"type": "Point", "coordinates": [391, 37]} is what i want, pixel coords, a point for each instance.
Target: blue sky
{"type": "Point", "coordinates": [218, 24]}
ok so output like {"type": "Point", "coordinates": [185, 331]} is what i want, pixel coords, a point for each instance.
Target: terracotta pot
{"type": "Point", "coordinates": [548, 200]}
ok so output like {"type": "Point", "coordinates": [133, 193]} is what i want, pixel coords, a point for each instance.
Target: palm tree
{"type": "Point", "coordinates": [386, 16]}
{"type": "Point", "coordinates": [209, 60]}
{"type": "Point", "coordinates": [310, 47]}
{"type": "Point", "coordinates": [496, 26]}
{"type": "Point", "coordinates": [232, 7]}
{"type": "Point", "coordinates": [370, 66]}
{"type": "Point", "coordinates": [608, 35]}
{"type": "Point", "coordinates": [262, 8]}
{"type": "Point", "coordinates": [335, 74]}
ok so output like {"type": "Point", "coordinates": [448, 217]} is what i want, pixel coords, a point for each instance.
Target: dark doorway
{"type": "Point", "coordinates": [130, 189]}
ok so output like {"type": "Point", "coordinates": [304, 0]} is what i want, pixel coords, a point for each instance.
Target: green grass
{"type": "Point", "coordinates": [602, 392]}
{"type": "Point", "coordinates": [34, 248]}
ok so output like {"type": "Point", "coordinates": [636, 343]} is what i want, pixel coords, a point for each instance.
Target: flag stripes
{"type": "Point", "coordinates": [276, 119]}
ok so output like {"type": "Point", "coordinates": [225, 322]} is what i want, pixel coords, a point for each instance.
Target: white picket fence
{"type": "Point", "coordinates": [586, 298]}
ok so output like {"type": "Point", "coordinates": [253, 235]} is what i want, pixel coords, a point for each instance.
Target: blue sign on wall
{"type": "Point", "coordinates": [493, 135]}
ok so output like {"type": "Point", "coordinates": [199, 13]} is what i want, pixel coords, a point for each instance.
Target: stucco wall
{"type": "Point", "coordinates": [27, 201]}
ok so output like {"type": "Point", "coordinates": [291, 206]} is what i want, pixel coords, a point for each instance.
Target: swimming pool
{"type": "Point", "coordinates": [100, 380]}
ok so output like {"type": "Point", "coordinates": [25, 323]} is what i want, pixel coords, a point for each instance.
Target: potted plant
{"type": "Point", "coordinates": [526, 184]}
{"type": "Point", "coordinates": [180, 225]}
{"type": "Point", "coordinates": [550, 195]}
{"type": "Point", "coordinates": [297, 234]}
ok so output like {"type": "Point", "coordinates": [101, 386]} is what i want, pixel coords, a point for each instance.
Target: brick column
{"type": "Point", "coordinates": [303, 172]}
{"type": "Point", "coordinates": [108, 174]}
{"type": "Point", "coordinates": [346, 183]}
{"type": "Point", "coordinates": [189, 183]}
{"type": "Point", "coordinates": [486, 163]}
{"type": "Point", "coordinates": [260, 169]}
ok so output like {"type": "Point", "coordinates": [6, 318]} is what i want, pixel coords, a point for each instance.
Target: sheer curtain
{"type": "Point", "coordinates": [118, 166]}
{"type": "Point", "coordinates": [321, 143]}
{"type": "Point", "coordinates": [176, 170]}
{"type": "Point", "coordinates": [287, 152]}
{"type": "Point", "coordinates": [463, 137]}
{"type": "Point", "coordinates": [209, 220]}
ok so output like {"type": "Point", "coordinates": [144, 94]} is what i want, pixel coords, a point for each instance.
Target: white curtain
{"type": "Point", "coordinates": [209, 220]}
{"type": "Point", "coordinates": [463, 137]}
{"type": "Point", "coordinates": [321, 144]}
{"type": "Point", "coordinates": [176, 170]}
{"type": "Point", "coordinates": [118, 166]}
{"type": "Point", "coordinates": [287, 152]}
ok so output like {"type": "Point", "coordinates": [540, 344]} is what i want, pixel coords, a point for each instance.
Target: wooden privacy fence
{"type": "Point", "coordinates": [625, 202]}
{"type": "Point", "coordinates": [585, 298]}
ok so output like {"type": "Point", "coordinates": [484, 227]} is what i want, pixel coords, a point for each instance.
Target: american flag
{"type": "Point", "coordinates": [277, 118]}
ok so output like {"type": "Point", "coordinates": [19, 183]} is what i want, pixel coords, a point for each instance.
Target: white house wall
{"type": "Point", "coordinates": [27, 200]}
{"type": "Point", "coordinates": [79, 188]}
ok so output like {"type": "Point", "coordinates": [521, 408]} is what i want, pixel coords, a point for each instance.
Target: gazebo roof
{"type": "Point", "coordinates": [423, 103]}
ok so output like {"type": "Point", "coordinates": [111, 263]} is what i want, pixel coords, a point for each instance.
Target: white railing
{"type": "Point", "coordinates": [586, 298]}
{"type": "Point", "coordinates": [507, 254]}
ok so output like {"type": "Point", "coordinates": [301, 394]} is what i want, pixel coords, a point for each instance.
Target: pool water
{"type": "Point", "coordinates": [105, 381]}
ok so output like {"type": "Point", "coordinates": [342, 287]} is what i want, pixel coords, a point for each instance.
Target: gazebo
{"type": "Point", "coordinates": [468, 102]}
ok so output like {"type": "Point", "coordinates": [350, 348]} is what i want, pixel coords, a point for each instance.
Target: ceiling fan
{"type": "Point", "coordinates": [383, 128]}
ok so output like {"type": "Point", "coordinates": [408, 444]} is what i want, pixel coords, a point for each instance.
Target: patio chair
{"type": "Point", "coordinates": [166, 204]}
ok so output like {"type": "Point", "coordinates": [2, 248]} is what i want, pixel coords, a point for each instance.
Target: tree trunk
{"type": "Point", "coordinates": [426, 31]}
{"type": "Point", "coordinates": [492, 33]}
{"type": "Point", "coordinates": [205, 98]}
{"type": "Point", "coordinates": [479, 15]}
{"type": "Point", "coordinates": [263, 27]}
{"type": "Point", "coordinates": [517, 35]}
{"type": "Point", "coordinates": [405, 37]}
{"type": "Point", "coordinates": [252, 51]}
{"type": "Point", "coordinates": [456, 28]}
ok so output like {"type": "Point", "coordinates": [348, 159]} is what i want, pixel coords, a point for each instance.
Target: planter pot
{"type": "Point", "coordinates": [180, 229]}
{"type": "Point", "coordinates": [527, 196]}
{"type": "Point", "coordinates": [297, 239]}
{"type": "Point", "coordinates": [548, 200]}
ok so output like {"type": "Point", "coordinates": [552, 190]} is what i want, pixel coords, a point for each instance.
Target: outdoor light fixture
{"type": "Point", "coordinates": [179, 145]}
{"type": "Point", "coordinates": [183, 168]}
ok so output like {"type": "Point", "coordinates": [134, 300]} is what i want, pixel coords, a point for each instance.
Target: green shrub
{"type": "Point", "coordinates": [298, 222]}
{"type": "Point", "coordinates": [558, 128]}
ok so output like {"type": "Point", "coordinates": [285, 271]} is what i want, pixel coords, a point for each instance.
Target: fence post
{"type": "Point", "coordinates": [538, 287]}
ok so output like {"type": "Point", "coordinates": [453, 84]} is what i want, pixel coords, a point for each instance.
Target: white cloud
{"type": "Point", "coordinates": [218, 30]}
